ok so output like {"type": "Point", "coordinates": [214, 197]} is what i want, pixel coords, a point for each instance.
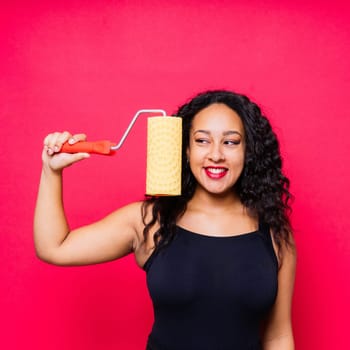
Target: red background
{"type": "Point", "coordinates": [89, 66]}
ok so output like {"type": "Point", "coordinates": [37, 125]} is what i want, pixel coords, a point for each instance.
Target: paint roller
{"type": "Point", "coordinates": [164, 146]}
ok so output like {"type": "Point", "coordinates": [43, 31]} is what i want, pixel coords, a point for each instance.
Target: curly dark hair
{"type": "Point", "coordinates": [262, 187]}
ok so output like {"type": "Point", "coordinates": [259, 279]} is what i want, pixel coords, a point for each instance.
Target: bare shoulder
{"type": "Point", "coordinates": [128, 217]}
{"type": "Point", "coordinates": [140, 214]}
{"type": "Point", "coordinates": [131, 212]}
{"type": "Point", "coordinates": [287, 252]}
{"type": "Point", "coordinates": [135, 215]}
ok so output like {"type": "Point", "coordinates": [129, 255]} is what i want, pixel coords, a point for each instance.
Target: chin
{"type": "Point", "coordinates": [219, 192]}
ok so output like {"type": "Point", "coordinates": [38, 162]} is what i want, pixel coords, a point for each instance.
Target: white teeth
{"type": "Point", "coordinates": [216, 170]}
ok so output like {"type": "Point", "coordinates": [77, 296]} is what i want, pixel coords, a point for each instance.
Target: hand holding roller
{"type": "Point", "coordinates": [96, 147]}
{"type": "Point", "coordinates": [164, 147]}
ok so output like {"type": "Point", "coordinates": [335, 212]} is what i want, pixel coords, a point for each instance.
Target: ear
{"type": "Point", "coordinates": [188, 153]}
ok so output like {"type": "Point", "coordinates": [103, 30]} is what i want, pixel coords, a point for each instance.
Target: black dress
{"type": "Point", "coordinates": [211, 293]}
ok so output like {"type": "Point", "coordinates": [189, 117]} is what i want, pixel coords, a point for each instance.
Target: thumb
{"type": "Point", "coordinates": [76, 157]}
{"type": "Point", "coordinates": [63, 160]}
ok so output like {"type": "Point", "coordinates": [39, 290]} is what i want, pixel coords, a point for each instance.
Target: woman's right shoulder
{"type": "Point", "coordinates": [136, 213]}
{"type": "Point", "coordinates": [142, 207]}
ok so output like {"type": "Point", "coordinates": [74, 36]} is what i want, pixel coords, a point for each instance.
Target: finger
{"type": "Point", "coordinates": [76, 138]}
{"type": "Point", "coordinates": [46, 139]}
{"type": "Point", "coordinates": [50, 142]}
{"type": "Point", "coordinates": [61, 139]}
{"type": "Point", "coordinates": [49, 138]}
{"type": "Point", "coordinates": [54, 141]}
{"type": "Point", "coordinates": [46, 143]}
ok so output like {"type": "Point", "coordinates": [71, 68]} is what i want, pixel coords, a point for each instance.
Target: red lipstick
{"type": "Point", "coordinates": [215, 172]}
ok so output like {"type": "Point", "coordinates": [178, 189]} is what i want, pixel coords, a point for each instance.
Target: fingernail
{"type": "Point", "coordinates": [49, 151]}
{"type": "Point", "coordinates": [70, 141]}
{"type": "Point", "coordinates": [56, 148]}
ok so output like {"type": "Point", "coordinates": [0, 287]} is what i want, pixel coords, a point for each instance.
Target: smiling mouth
{"type": "Point", "coordinates": [215, 172]}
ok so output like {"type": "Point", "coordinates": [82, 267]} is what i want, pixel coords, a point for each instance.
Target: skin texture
{"type": "Point", "coordinates": [216, 156]}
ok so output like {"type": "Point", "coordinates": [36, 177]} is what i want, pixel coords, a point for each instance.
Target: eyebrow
{"type": "Point", "coordinates": [225, 133]}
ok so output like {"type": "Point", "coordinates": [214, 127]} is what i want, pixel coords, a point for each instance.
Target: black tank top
{"type": "Point", "coordinates": [211, 293]}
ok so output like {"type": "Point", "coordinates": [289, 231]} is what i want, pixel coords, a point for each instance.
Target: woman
{"type": "Point", "coordinates": [220, 259]}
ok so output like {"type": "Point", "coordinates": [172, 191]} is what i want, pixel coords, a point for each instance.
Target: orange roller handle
{"type": "Point", "coordinates": [96, 147]}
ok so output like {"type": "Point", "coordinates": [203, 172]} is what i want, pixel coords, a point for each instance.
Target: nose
{"type": "Point", "coordinates": [215, 153]}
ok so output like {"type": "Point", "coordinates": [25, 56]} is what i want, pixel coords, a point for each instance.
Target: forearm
{"type": "Point", "coordinates": [280, 343]}
{"type": "Point", "coordinates": [50, 224]}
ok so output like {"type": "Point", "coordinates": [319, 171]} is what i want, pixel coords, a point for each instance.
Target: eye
{"type": "Point", "coordinates": [232, 142]}
{"type": "Point", "coordinates": [201, 141]}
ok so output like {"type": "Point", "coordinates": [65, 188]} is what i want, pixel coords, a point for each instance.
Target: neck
{"type": "Point", "coordinates": [210, 202]}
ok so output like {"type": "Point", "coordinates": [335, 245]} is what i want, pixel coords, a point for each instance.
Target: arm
{"type": "Point", "coordinates": [108, 239]}
{"type": "Point", "coordinates": [278, 333]}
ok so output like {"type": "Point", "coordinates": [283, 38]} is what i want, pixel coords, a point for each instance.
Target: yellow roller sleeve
{"type": "Point", "coordinates": [164, 142]}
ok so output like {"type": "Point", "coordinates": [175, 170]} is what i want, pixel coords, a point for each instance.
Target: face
{"type": "Point", "coordinates": [216, 149]}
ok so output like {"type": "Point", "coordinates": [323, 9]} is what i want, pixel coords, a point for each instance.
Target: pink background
{"type": "Point", "coordinates": [89, 66]}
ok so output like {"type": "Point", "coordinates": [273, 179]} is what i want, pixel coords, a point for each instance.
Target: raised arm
{"type": "Point", "coordinates": [110, 238]}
